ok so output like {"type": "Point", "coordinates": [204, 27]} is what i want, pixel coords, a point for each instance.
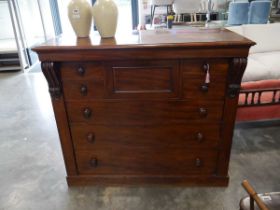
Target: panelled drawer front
{"type": "Point", "coordinates": [194, 76]}
{"type": "Point", "coordinates": [143, 112]}
{"type": "Point", "coordinates": [146, 160]}
{"type": "Point", "coordinates": [183, 135]}
{"type": "Point", "coordinates": [143, 79]}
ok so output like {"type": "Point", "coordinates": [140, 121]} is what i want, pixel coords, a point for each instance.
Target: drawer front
{"type": "Point", "coordinates": [204, 79]}
{"type": "Point", "coordinates": [182, 135]}
{"type": "Point", "coordinates": [81, 71]}
{"type": "Point", "coordinates": [83, 89]}
{"type": "Point", "coordinates": [143, 79]}
{"type": "Point", "coordinates": [143, 113]}
{"type": "Point", "coordinates": [146, 160]}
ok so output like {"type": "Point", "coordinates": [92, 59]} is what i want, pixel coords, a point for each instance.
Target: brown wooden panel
{"type": "Point", "coordinates": [142, 79]}
{"type": "Point", "coordinates": [143, 112]}
{"type": "Point", "coordinates": [150, 180]}
{"type": "Point", "coordinates": [82, 70]}
{"type": "Point", "coordinates": [146, 160]}
{"type": "Point", "coordinates": [182, 135]}
{"type": "Point", "coordinates": [145, 79]}
{"type": "Point", "coordinates": [194, 78]}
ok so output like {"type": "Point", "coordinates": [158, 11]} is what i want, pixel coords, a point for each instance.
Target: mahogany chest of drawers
{"type": "Point", "coordinates": [157, 108]}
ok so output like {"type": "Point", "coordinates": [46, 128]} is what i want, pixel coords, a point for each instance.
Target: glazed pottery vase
{"type": "Point", "coordinates": [105, 17]}
{"type": "Point", "coordinates": [80, 17]}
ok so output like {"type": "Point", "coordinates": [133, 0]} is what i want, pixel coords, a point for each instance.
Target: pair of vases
{"type": "Point", "coordinates": [104, 13]}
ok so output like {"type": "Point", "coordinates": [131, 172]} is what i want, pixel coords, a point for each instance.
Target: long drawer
{"type": "Point", "coordinates": [144, 112]}
{"type": "Point", "coordinates": [183, 135]}
{"type": "Point", "coordinates": [146, 160]}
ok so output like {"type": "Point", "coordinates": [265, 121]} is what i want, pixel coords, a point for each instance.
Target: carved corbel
{"type": "Point", "coordinates": [236, 70]}
{"type": "Point", "coordinates": [52, 75]}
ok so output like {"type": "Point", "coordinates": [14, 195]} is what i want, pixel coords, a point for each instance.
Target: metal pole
{"type": "Point", "coordinates": [16, 31]}
{"type": "Point", "coordinates": [208, 13]}
{"type": "Point", "coordinates": [42, 20]}
{"type": "Point", "coordinates": [20, 30]}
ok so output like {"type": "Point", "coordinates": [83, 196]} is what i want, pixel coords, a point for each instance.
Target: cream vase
{"type": "Point", "coordinates": [79, 14]}
{"type": "Point", "coordinates": [105, 17]}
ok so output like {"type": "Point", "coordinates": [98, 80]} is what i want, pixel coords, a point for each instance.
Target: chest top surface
{"type": "Point", "coordinates": [190, 37]}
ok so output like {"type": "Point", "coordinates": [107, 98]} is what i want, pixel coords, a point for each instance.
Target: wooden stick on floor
{"type": "Point", "coordinates": [253, 196]}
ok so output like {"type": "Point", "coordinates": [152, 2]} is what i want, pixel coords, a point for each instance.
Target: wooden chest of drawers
{"type": "Point", "coordinates": [158, 110]}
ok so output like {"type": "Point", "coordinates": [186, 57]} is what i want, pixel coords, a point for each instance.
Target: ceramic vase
{"type": "Point", "coordinates": [105, 17]}
{"type": "Point", "coordinates": [80, 16]}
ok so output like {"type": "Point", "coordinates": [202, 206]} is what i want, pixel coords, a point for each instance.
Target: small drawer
{"type": "Point", "coordinates": [218, 68]}
{"type": "Point", "coordinates": [144, 112]}
{"type": "Point", "coordinates": [83, 90]}
{"type": "Point", "coordinates": [146, 160]}
{"type": "Point", "coordinates": [96, 137]}
{"type": "Point", "coordinates": [204, 79]}
{"type": "Point", "coordinates": [82, 70]}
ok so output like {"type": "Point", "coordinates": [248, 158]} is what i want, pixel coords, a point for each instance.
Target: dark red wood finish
{"type": "Point", "coordinates": [157, 108]}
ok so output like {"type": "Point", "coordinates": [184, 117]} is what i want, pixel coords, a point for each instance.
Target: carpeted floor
{"type": "Point", "coordinates": [32, 174]}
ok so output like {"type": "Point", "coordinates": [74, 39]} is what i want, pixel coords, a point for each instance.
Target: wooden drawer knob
{"type": "Point", "coordinates": [83, 90]}
{"type": "Point", "coordinates": [90, 137]}
{"type": "Point", "coordinates": [206, 67]}
{"type": "Point", "coordinates": [198, 162]}
{"type": "Point", "coordinates": [199, 137]}
{"type": "Point", "coordinates": [81, 71]}
{"type": "Point", "coordinates": [93, 162]}
{"type": "Point", "coordinates": [204, 88]}
{"type": "Point", "coordinates": [87, 113]}
{"type": "Point", "coordinates": [203, 112]}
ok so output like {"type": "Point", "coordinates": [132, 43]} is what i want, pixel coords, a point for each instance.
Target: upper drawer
{"type": "Point", "coordinates": [121, 79]}
{"type": "Point", "coordinates": [144, 112]}
{"type": "Point", "coordinates": [204, 78]}
{"type": "Point", "coordinates": [153, 79]}
{"type": "Point", "coordinates": [82, 70]}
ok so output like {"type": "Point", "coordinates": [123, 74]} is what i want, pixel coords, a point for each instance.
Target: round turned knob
{"type": "Point", "coordinates": [93, 162]}
{"type": "Point", "coordinates": [81, 71]}
{"type": "Point", "coordinates": [83, 90]}
{"type": "Point", "coordinates": [199, 137]}
{"type": "Point", "coordinates": [198, 162]}
{"type": "Point", "coordinates": [203, 112]}
{"type": "Point", "coordinates": [87, 113]}
{"type": "Point", "coordinates": [204, 88]}
{"type": "Point", "coordinates": [206, 67]}
{"type": "Point", "coordinates": [90, 137]}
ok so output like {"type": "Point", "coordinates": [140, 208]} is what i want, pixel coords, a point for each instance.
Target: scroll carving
{"type": "Point", "coordinates": [237, 68]}
{"type": "Point", "coordinates": [50, 71]}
